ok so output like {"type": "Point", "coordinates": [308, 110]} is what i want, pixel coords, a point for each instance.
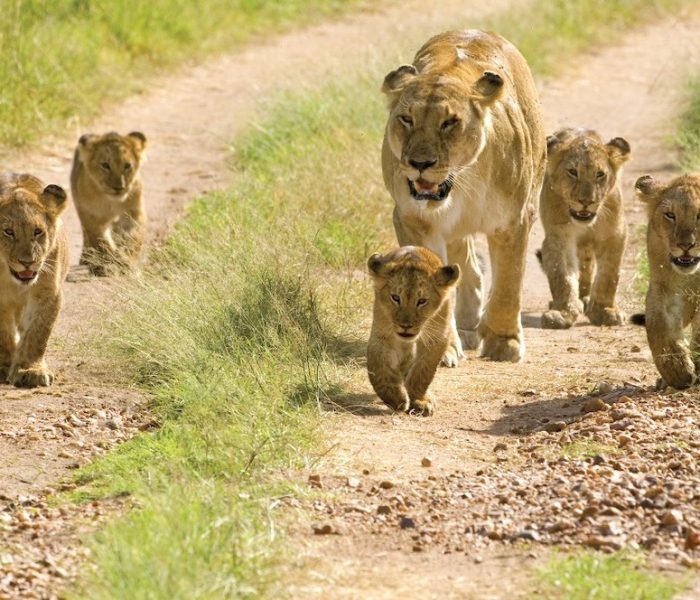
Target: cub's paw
{"type": "Point", "coordinates": [557, 319]}
{"type": "Point", "coordinates": [605, 315]}
{"type": "Point", "coordinates": [677, 370]}
{"type": "Point", "coordinates": [470, 338]}
{"type": "Point", "coordinates": [34, 377]}
{"type": "Point", "coordinates": [451, 358]}
{"type": "Point", "coordinates": [422, 406]}
{"type": "Point", "coordinates": [499, 347]}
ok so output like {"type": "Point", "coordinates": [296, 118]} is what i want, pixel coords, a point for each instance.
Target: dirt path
{"type": "Point", "coordinates": [489, 412]}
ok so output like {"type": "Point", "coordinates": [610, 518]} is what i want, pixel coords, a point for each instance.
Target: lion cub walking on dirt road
{"type": "Point", "coordinates": [583, 217]}
{"type": "Point", "coordinates": [108, 194]}
{"type": "Point", "coordinates": [411, 326]}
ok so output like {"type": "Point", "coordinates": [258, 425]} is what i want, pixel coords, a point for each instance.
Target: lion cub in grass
{"type": "Point", "coordinates": [673, 299]}
{"type": "Point", "coordinates": [108, 194]}
{"type": "Point", "coordinates": [585, 232]}
{"type": "Point", "coordinates": [411, 325]}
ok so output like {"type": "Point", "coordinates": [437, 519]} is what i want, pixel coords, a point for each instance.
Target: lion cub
{"type": "Point", "coordinates": [585, 232]}
{"type": "Point", "coordinates": [673, 298]}
{"type": "Point", "coordinates": [33, 266]}
{"type": "Point", "coordinates": [411, 325]}
{"type": "Point", "coordinates": [108, 195]}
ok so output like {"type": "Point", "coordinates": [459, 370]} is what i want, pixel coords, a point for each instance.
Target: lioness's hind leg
{"type": "Point", "coordinates": [469, 294]}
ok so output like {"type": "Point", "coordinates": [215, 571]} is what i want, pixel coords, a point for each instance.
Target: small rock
{"type": "Point", "coordinates": [383, 509]}
{"type": "Point", "coordinates": [593, 405]}
{"type": "Point", "coordinates": [353, 482]}
{"type": "Point", "coordinates": [624, 440]}
{"type": "Point", "coordinates": [555, 426]}
{"type": "Point", "coordinates": [692, 539]}
{"type": "Point", "coordinates": [417, 548]}
{"type": "Point", "coordinates": [325, 529]}
{"type": "Point", "coordinates": [610, 528]}
{"type": "Point", "coordinates": [315, 481]}
{"type": "Point", "coordinates": [75, 421]}
{"type": "Point", "coordinates": [426, 462]}
{"type": "Point", "coordinates": [635, 348]}
{"type": "Point", "coordinates": [528, 535]}
{"type": "Point", "coordinates": [386, 485]}
{"type": "Point", "coordinates": [604, 387]}
{"type": "Point", "coordinates": [671, 518]}
{"type": "Point", "coordinates": [527, 393]}
{"type": "Point", "coordinates": [499, 447]}
{"type": "Point", "coordinates": [407, 523]}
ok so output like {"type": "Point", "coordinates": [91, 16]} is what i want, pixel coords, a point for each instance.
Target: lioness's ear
{"type": "Point", "coordinates": [647, 188]}
{"type": "Point", "coordinates": [54, 198]}
{"type": "Point", "coordinates": [398, 78]}
{"type": "Point", "coordinates": [447, 276]}
{"type": "Point", "coordinates": [375, 264]}
{"type": "Point", "coordinates": [489, 87]}
{"type": "Point", "coordinates": [618, 150]}
{"type": "Point", "coordinates": [139, 139]}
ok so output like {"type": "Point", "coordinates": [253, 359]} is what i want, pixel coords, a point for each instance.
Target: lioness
{"type": "Point", "coordinates": [33, 266]}
{"type": "Point", "coordinates": [411, 326]}
{"type": "Point", "coordinates": [583, 217]}
{"type": "Point", "coordinates": [108, 195]}
{"type": "Point", "coordinates": [464, 152]}
{"type": "Point", "coordinates": [673, 298]}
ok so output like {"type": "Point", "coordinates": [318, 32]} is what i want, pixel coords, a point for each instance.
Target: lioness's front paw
{"type": "Point", "coordinates": [500, 347]}
{"type": "Point", "coordinates": [604, 315]}
{"type": "Point", "coordinates": [470, 338]}
{"type": "Point", "coordinates": [4, 373]}
{"type": "Point", "coordinates": [34, 377]}
{"type": "Point", "coordinates": [677, 371]}
{"type": "Point", "coordinates": [558, 319]}
{"type": "Point", "coordinates": [422, 406]}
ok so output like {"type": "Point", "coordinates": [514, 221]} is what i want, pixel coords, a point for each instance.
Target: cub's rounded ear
{"type": "Point", "coordinates": [489, 86]}
{"type": "Point", "coordinates": [375, 264]}
{"type": "Point", "coordinates": [54, 197]}
{"type": "Point", "coordinates": [398, 78]}
{"type": "Point", "coordinates": [86, 139]}
{"type": "Point", "coordinates": [618, 150]}
{"type": "Point", "coordinates": [138, 138]}
{"type": "Point", "coordinates": [647, 187]}
{"type": "Point", "coordinates": [552, 142]}
{"type": "Point", "coordinates": [447, 276]}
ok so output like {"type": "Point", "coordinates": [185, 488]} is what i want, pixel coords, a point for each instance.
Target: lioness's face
{"type": "Point", "coordinates": [112, 160]}
{"type": "Point", "coordinates": [584, 171]}
{"type": "Point", "coordinates": [437, 126]}
{"type": "Point", "coordinates": [675, 219]}
{"type": "Point", "coordinates": [410, 288]}
{"type": "Point", "coordinates": [28, 230]}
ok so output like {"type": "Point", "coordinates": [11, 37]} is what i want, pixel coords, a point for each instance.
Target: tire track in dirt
{"type": "Point", "coordinates": [633, 89]}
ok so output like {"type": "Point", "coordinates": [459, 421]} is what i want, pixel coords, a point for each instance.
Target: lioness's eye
{"type": "Point", "coordinates": [406, 121]}
{"type": "Point", "coordinates": [105, 166]}
{"type": "Point", "coordinates": [449, 123]}
{"type": "Point", "coordinates": [670, 216]}
{"type": "Point", "coordinates": [38, 232]}
{"type": "Point", "coordinates": [9, 232]}
{"type": "Point", "coordinates": [421, 302]}
{"type": "Point", "coordinates": [600, 175]}
{"type": "Point", "coordinates": [572, 172]}
{"type": "Point", "coordinates": [395, 299]}
{"type": "Point", "coordinates": [127, 167]}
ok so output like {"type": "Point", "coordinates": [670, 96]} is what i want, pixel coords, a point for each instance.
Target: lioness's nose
{"type": "Point", "coordinates": [422, 165]}
{"type": "Point", "coordinates": [686, 244]}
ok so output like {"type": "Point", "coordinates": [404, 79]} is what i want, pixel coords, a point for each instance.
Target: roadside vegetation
{"type": "Point", "coordinates": [688, 131]}
{"type": "Point", "coordinates": [61, 60]}
{"type": "Point", "coordinates": [247, 321]}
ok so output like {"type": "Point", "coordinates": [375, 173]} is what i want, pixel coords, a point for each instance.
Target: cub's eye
{"type": "Point", "coordinates": [572, 172]}
{"type": "Point", "coordinates": [600, 175]}
{"type": "Point", "coordinates": [9, 232]}
{"type": "Point", "coordinates": [127, 167]}
{"type": "Point", "coordinates": [449, 123]}
{"type": "Point", "coordinates": [395, 299]}
{"type": "Point", "coordinates": [38, 232]}
{"type": "Point", "coordinates": [406, 121]}
{"type": "Point", "coordinates": [670, 216]}
{"type": "Point", "coordinates": [421, 302]}
{"type": "Point", "coordinates": [105, 166]}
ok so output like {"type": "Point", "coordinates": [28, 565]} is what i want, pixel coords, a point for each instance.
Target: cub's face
{"type": "Point", "coordinates": [410, 286]}
{"type": "Point", "coordinates": [436, 126]}
{"type": "Point", "coordinates": [28, 223]}
{"type": "Point", "coordinates": [674, 219]}
{"type": "Point", "coordinates": [583, 170]}
{"type": "Point", "coordinates": [112, 161]}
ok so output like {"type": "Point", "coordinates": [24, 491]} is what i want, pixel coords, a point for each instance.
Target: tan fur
{"type": "Point", "coordinates": [673, 299]}
{"type": "Point", "coordinates": [467, 112]}
{"type": "Point", "coordinates": [582, 257]}
{"type": "Point", "coordinates": [32, 240]}
{"type": "Point", "coordinates": [108, 194]}
{"type": "Point", "coordinates": [411, 326]}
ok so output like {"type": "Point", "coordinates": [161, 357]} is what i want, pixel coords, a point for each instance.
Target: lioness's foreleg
{"type": "Point", "coordinates": [7, 343]}
{"type": "Point", "coordinates": [601, 309]}
{"type": "Point", "coordinates": [469, 291]}
{"type": "Point", "coordinates": [500, 328]}
{"type": "Point", "coordinates": [560, 264]}
{"type": "Point", "coordinates": [29, 368]}
{"type": "Point", "coordinates": [669, 348]}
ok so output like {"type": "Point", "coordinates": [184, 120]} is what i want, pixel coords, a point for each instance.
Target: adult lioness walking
{"type": "Point", "coordinates": [464, 152]}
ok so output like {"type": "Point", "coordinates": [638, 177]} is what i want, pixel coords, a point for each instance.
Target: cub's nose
{"type": "Point", "coordinates": [686, 245]}
{"type": "Point", "coordinates": [422, 165]}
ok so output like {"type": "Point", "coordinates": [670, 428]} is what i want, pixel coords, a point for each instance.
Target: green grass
{"type": "Point", "coordinates": [688, 131]}
{"type": "Point", "coordinates": [596, 576]}
{"type": "Point", "coordinates": [60, 60]}
{"type": "Point", "coordinates": [242, 326]}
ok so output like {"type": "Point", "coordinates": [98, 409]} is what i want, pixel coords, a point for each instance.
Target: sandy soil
{"type": "Point", "coordinates": [630, 89]}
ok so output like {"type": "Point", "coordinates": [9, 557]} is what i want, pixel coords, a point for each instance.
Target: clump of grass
{"type": "Point", "coordinates": [688, 131]}
{"type": "Point", "coordinates": [595, 576]}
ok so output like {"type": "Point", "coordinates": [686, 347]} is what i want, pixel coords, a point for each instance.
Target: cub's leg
{"type": "Point", "coordinates": [99, 251]}
{"type": "Point", "coordinates": [469, 291]}
{"type": "Point", "coordinates": [500, 329]}
{"type": "Point", "coordinates": [29, 368]}
{"type": "Point", "coordinates": [668, 345]}
{"type": "Point", "coordinates": [128, 233]}
{"type": "Point", "coordinates": [586, 268]}
{"type": "Point", "coordinates": [386, 377]}
{"type": "Point", "coordinates": [7, 342]}
{"type": "Point", "coordinates": [601, 309]}
{"type": "Point", "coordinates": [560, 264]}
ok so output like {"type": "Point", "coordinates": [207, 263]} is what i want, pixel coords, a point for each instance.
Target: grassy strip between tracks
{"type": "Point", "coordinates": [241, 328]}
{"type": "Point", "coordinates": [60, 60]}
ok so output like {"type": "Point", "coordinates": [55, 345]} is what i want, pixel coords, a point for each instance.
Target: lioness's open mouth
{"type": "Point", "coordinates": [426, 190]}
{"type": "Point", "coordinates": [406, 335]}
{"type": "Point", "coordinates": [24, 276]}
{"type": "Point", "coordinates": [582, 215]}
{"type": "Point", "coordinates": [685, 261]}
